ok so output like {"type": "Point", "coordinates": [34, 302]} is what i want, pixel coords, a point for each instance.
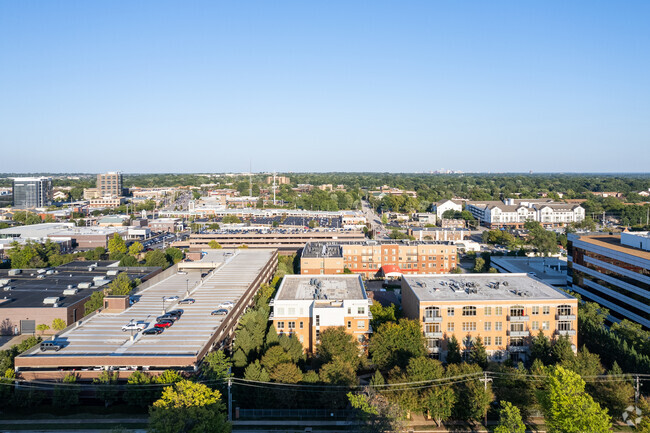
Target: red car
{"type": "Point", "coordinates": [163, 324]}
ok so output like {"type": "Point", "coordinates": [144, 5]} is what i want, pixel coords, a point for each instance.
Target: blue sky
{"type": "Point", "coordinates": [171, 86]}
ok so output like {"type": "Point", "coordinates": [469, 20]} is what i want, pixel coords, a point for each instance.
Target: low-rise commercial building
{"type": "Point", "coordinates": [106, 202]}
{"type": "Point", "coordinates": [169, 225]}
{"type": "Point", "coordinates": [378, 258]}
{"type": "Point", "coordinates": [505, 310]}
{"type": "Point", "coordinates": [437, 234]}
{"type": "Point", "coordinates": [305, 306]}
{"type": "Point", "coordinates": [614, 271]}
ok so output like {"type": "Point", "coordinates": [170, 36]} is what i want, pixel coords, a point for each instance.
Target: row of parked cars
{"type": "Point", "coordinates": [162, 322]}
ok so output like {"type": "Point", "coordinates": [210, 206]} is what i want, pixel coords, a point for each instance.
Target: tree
{"type": "Point", "coordinates": [473, 396]}
{"type": "Point", "coordinates": [453, 351]}
{"type": "Point", "coordinates": [121, 285]}
{"type": "Point", "coordinates": [214, 245]}
{"type": "Point", "coordinates": [66, 394]}
{"type": "Point", "coordinates": [156, 258]}
{"type": "Point", "coordinates": [188, 407]}
{"type": "Point", "coordinates": [375, 411]}
{"type": "Point", "coordinates": [128, 262]}
{"type": "Point", "coordinates": [540, 348]}
{"type": "Point", "coordinates": [568, 408]}
{"type": "Point", "coordinates": [274, 355]}
{"type": "Point", "coordinates": [377, 379]}
{"type": "Point", "coordinates": [174, 255]}
{"type": "Point", "coordinates": [139, 390]}
{"type": "Point", "coordinates": [256, 372]}
{"type": "Point", "coordinates": [510, 419]}
{"type": "Point", "coordinates": [95, 302]}
{"type": "Point", "coordinates": [479, 265]}
{"type": "Point", "coordinates": [116, 245]}
{"type": "Point", "coordinates": [478, 354]}
{"type": "Point", "coordinates": [338, 372]}
{"type": "Point", "coordinates": [58, 324]}
{"type": "Point", "coordinates": [135, 248]}
{"type": "Point", "coordinates": [231, 219]}
{"type": "Point", "coordinates": [335, 342]}
{"type": "Point", "coordinates": [561, 352]}
{"type": "Point", "coordinates": [42, 327]}
{"type": "Point", "coordinates": [395, 343]}
{"type": "Point", "coordinates": [439, 403]}
{"type": "Point", "coordinates": [286, 372]}
{"type": "Point", "coordinates": [381, 314]}
{"type": "Point", "coordinates": [216, 367]}
{"type": "Point", "coordinates": [105, 387]}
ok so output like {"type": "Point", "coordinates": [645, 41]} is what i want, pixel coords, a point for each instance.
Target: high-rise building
{"type": "Point", "coordinates": [614, 271]}
{"type": "Point", "coordinates": [32, 192]}
{"type": "Point", "coordinates": [109, 184]}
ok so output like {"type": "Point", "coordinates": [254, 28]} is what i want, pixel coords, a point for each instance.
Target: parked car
{"type": "Point", "coordinates": [227, 304]}
{"type": "Point", "coordinates": [153, 331]}
{"type": "Point", "coordinates": [171, 298]}
{"type": "Point", "coordinates": [51, 345]}
{"type": "Point", "coordinates": [167, 316]}
{"type": "Point", "coordinates": [219, 312]}
{"type": "Point", "coordinates": [166, 323]}
{"type": "Point", "coordinates": [186, 301]}
{"type": "Point", "coordinates": [133, 326]}
{"type": "Point", "coordinates": [177, 312]}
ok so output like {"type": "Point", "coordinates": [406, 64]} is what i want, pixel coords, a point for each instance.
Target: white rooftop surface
{"type": "Point", "coordinates": [481, 287]}
{"type": "Point", "coordinates": [35, 230]}
{"type": "Point", "coordinates": [547, 269]}
{"type": "Point", "coordinates": [330, 287]}
{"type": "Point", "coordinates": [103, 335]}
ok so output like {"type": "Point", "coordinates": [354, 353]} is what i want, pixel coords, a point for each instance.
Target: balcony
{"type": "Point", "coordinates": [517, 348]}
{"type": "Point", "coordinates": [519, 333]}
{"type": "Point", "coordinates": [571, 332]}
{"type": "Point", "coordinates": [519, 318]}
{"type": "Point", "coordinates": [432, 319]}
{"type": "Point", "coordinates": [433, 349]}
{"type": "Point", "coordinates": [271, 302]}
{"type": "Point", "coordinates": [565, 317]}
{"type": "Point", "coordinates": [433, 334]}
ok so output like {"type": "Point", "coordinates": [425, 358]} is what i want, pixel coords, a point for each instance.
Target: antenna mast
{"type": "Point", "coordinates": [250, 178]}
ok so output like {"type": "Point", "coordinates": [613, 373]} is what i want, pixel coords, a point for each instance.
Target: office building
{"type": "Point", "coordinates": [305, 306]}
{"type": "Point", "coordinates": [505, 310]}
{"type": "Point", "coordinates": [32, 192]}
{"type": "Point", "coordinates": [109, 184]}
{"type": "Point", "coordinates": [378, 258]}
{"type": "Point", "coordinates": [614, 271]}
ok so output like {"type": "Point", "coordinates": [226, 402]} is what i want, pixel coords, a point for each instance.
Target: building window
{"type": "Point", "coordinates": [517, 311]}
{"type": "Point", "coordinates": [361, 324]}
{"type": "Point", "coordinates": [564, 326]}
{"type": "Point", "coordinates": [450, 311]}
{"type": "Point", "coordinates": [534, 325]}
{"type": "Point", "coordinates": [546, 310]}
{"type": "Point", "coordinates": [535, 311]}
{"type": "Point", "coordinates": [487, 326]}
{"type": "Point", "coordinates": [349, 310]}
{"type": "Point", "coordinates": [498, 326]}
{"type": "Point", "coordinates": [349, 324]}
{"type": "Point", "coordinates": [469, 311]}
{"type": "Point", "coordinates": [564, 310]}
{"type": "Point", "coordinates": [487, 341]}
{"type": "Point", "coordinates": [300, 325]}
{"type": "Point", "coordinates": [292, 325]}
{"type": "Point", "coordinates": [517, 327]}
{"type": "Point", "coordinates": [498, 311]}
{"type": "Point", "coordinates": [469, 326]}
{"type": "Point", "coordinates": [317, 320]}
{"type": "Point", "coordinates": [361, 310]}
{"type": "Point", "coordinates": [545, 326]}
{"type": "Point", "coordinates": [450, 327]}
{"type": "Point", "coordinates": [280, 325]}
{"type": "Point", "coordinates": [488, 311]}
{"type": "Point", "coordinates": [432, 312]}
{"type": "Point", "coordinates": [498, 341]}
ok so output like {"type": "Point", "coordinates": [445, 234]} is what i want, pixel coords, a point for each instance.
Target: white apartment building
{"type": "Point", "coordinates": [514, 213]}
{"type": "Point", "coordinates": [444, 205]}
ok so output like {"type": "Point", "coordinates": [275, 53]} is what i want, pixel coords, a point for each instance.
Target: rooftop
{"type": "Point", "coordinates": [323, 287]}
{"type": "Point", "coordinates": [34, 231]}
{"type": "Point", "coordinates": [481, 287]}
{"type": "Point", "coordinates": [551, 270]}
{"type": "Point", "coordinates": [613, 242]}
{"type": "Point", "coordinates": [333, 248]}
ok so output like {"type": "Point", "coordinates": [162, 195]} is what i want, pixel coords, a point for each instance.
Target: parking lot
{"type": "Point", "coordinates": [102, 336]}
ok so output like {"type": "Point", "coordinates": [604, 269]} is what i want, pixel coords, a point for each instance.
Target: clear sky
{"type": "Point", "coordinates": [411, 86]}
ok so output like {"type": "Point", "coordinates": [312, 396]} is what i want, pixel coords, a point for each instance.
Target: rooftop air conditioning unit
{"type": "Point", "coordinates": [68, 292]}
{"type": "Point", "coordinates": [51, 300]}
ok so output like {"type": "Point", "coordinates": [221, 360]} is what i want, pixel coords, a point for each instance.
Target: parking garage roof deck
{"type": "Point", "coordinates": [96, 340]}
{"type": "Point", "coordinates": [481, 287]}
{"type": "Point", "coordinates": [29, 288]}
{"type": "Point", "coordinates": [321, 287]}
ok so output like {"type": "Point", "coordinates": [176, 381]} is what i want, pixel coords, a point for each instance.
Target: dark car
{"type": "Point", "coordinates": [177, 313]}
{"type": "Point", "coordinates": [51, 345]}
{"type": "Point", "coordinates": [171, 317]}
{"type": "Point", "coordinates": [153, 331]}
{"type": "Point", "coordinates": [219, 312]}
{"type": "Point", "coordinates": [165, 323]}
{"type": "Point", "coordinates": [186, 301]}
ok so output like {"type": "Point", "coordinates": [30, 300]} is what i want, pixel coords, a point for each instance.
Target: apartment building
{"type": "Point", "coordinates": [305, 306]}
{"type": "Point", "coordinates": [32, 192]}
{"type": "Point", "coordinates": [614, 271]}
{"type": "Point", "coordinates": [444, 205]}
{"type": "Point", "coordinates": [109, 184]}
{"type": "Point", "coordinates": [513, 213]}
{"type": "Point", "coordinates": [378, 258]}
{"type": "Point", "coordinates": [505, 310]}
{"type": "Point", "coordinates": [278, 180]}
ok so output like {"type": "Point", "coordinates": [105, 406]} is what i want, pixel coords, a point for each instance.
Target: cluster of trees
{"type": "Point", "coordinates": [132, 255]}
{"type": "Point", "coordinates": [57, 325]}
{"type": "Point", "coordinates": [122, 285]}
{"type": "Point", "coordinates": [7, 356]}
{"type": "Point", "coordinates": [28, 218]}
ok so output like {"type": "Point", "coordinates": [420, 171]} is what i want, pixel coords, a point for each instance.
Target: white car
{"type": "Point", "coordinates": [227, 304]}
{"type": "Point", "coordinates": [171, 298]}
{"type": "Point", "coordinates": [132, 326]}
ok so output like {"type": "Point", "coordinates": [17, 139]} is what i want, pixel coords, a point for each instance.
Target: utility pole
{"type": "Point", "coordinates": [229, 400]}
{"type": "Point", "coordinates": [636, 392]}
{"type": "Point", "coordinates": [485, 381]}
{"type": "Point", "coordinates": [273, 188]}
{"type": "Point", "coordinates": [250, 178]}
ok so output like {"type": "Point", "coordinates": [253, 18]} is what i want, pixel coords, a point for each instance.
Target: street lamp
{"type": "Point", "coordinates": [163, 305]}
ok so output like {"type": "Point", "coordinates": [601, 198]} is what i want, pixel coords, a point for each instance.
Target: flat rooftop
{"type": "Point", "coordinates": [322, 287]}
{"type": "Point", "coordinates": [551, 270]}
{"type": "Point", "coordinates": [100, 341]}
{"type": "Point", "coordinates": [481, 287]}
{"type": "Point", "coordinates": [333, 248]}
{"type": "Point", "coordinates": [613, 242]}
{"type": "Point", "coordinates": [29, 288]}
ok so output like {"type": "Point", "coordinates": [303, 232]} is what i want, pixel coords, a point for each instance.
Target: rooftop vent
{"type": "Point", "coordinates": [52, 300]}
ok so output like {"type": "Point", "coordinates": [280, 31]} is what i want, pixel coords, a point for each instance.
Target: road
{"type": "Point", "coordinates": [374, 220]}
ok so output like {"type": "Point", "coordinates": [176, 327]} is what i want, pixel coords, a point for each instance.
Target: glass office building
{"type": "Point", "coordinates": [32, 192]}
